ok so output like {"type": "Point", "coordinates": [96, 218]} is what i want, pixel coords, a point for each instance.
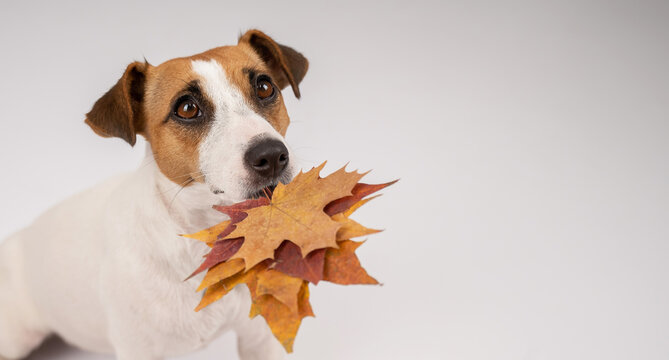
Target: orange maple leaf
{"type": "Point", "coordinates": [343, 267]}
{"type": "Point", "coordinates": [282, 320]}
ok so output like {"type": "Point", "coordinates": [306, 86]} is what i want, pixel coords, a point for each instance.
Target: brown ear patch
{"type": "Point", "coordinates": [118, 113]}
{"type": "Point", "coordinates": [288, 66]}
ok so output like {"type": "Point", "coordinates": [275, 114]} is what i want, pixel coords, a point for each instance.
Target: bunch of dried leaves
{"type": "Point", "coordinates": [278, 244]}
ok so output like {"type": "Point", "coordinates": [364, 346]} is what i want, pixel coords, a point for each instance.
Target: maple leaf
{"type": "Point", "coordinates": [350, 228]}
{"type": "Point", "coordinates": [343, 267]}
{"type": "Point", "coordinates": [221, 230]}
{"type": "Point", "coordinates": [289, 260]}
{"type": "Point", "coordinates": [281, 286]}
{"type": "Point", "coordinates": [359, 191]}
{"type": "Point", "coordinates": [283, 322]}
{"type": "Point", "coordinates": [296, 213]}
{"type": "Point", "coordinates": [237, 212]}
{"type": "Point", "coordinates": [221, 251]}
{"type": "Point", "coordinates": [220, 272]}
{"type": "Point", "coordinates": [211, 234]}
{"type": "Point", "coordinates": [218, 290]}
{"type": "Point", "coordinates": [356, 206]}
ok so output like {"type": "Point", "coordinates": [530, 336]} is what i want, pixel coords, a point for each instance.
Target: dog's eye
{"type": "Point", "coordinates": [187, 109]}
{"type": "Point", "coordinates": [264, 88]}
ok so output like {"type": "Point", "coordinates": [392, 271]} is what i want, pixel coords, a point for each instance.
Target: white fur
{"type": "Point", "coordinates": [222, 151]}
{"type": "Point", "coordinates": [105, 268]}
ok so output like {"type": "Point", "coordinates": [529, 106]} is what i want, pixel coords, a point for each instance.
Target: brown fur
{"type": "Point", "coordinates": [144, 97]}
{"type": "Point", "coordinates": [119, 112]}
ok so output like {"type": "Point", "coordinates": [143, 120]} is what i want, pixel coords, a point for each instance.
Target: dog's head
{"type": "Point", "coordinates": [216, 118]}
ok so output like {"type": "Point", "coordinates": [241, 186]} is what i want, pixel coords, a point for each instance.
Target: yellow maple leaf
{"type": "Point", "coordinates": [221, 271]}
{"type": "Point", "coordinates": [209, 235]}
{"type": "Point", "coordinates": [295, 212]}
{"type": "Point", "coordinates": [218, 290]}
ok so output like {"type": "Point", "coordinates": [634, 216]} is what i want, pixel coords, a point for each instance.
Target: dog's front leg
{"type": "Point", "coordinates": [256, 342]}
{"type": "Point", "coordinates": [128, 328]}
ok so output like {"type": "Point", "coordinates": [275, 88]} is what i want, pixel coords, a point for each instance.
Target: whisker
{"type": "Point", "coordinates": [176, 186]}
{"type": "Point", "coordinates": [180, 186]}
{"type": "Point", "coordinates": [178, 192]}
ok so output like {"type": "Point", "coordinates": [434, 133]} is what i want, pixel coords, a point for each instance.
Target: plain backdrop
{"type": "Point", "coordinates": [531, 138]}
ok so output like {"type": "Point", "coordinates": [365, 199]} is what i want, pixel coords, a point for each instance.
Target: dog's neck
{"type": "Point", "coordinates": [189, 207]}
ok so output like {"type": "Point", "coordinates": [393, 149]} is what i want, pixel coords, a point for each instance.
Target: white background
{"type": "Point", "coordinates": [531, 138]}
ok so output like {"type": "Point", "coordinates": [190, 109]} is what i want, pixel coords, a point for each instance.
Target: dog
{"type": "Point", "coordinates": [105, 269]}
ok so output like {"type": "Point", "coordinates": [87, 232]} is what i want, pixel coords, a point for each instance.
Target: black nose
{"type": "Point", "coordinates": [268, 158]}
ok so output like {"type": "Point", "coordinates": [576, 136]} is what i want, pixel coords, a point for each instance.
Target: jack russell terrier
{"type": "Point", "coordinates": [105, 269]}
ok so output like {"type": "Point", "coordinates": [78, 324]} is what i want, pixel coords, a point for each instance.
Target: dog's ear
{"type": "Point", "coordinates": [287, 65]}
{"type": "Point", "coordinates": [119, 112]}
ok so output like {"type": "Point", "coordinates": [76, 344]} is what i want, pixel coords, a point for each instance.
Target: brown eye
{"type": "Point", "coordinates": [264, 88]}
{"type": "Point", "coordinates": [187, 109]}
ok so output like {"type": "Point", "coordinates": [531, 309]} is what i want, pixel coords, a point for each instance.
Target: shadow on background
{"type": "Point", "coordinates": [55, 348]}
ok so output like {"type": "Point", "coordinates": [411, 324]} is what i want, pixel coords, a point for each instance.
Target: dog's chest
{"type": "Point", "coordinates": [155, 264]}
{"type": "Point", "coordinates": [148, 262]}
{"type": "Point", "coordinates": [179, 329]}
